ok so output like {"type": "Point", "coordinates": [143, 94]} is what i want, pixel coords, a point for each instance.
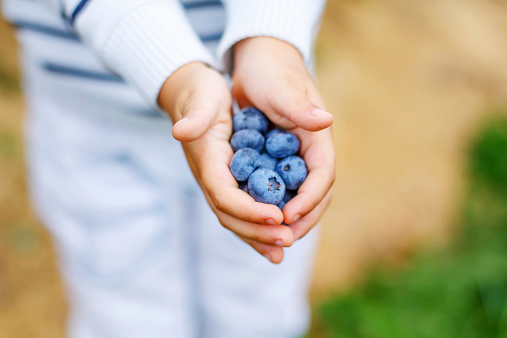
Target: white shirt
{"type": "Point", "coordinates": [145, 41]}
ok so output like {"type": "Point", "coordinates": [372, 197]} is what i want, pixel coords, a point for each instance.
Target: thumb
{"type": "Point", "coordinates": [300, 108]}
{"type": "Point", "coordinates": [195, 122]}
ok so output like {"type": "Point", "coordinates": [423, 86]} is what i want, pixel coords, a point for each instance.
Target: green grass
{"type": "Point", "coordinates": [9, 146]}
{"type": "Point", "coordinates": [459, 291]}
{"type": "Point", "coordinates": [9, 82]}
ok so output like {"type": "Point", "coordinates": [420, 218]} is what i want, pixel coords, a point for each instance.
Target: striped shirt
{"type": "Point", "coordinates": [143, 41]}
{"type": "Point", "coordinates": [207, 17]}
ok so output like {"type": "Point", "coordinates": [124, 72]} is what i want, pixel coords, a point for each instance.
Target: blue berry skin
{"type": "Point", "coordinates": [266, 186]}
{"type": "Point", "coordinates": [273, 132]}
{"type": "Point", "coordinates": [280, 145]}
{"type": "Point", "coordinates": [247, 138]}
{"type": "Point", "coordinates": [268, 162]}
{"type": "Point", "coordinates": [293, 171]}
{"type": "Point", "coordinates": [250, 118]}
{"type": "Point", "coordinates": [289, 194]}
{"type": "Point", "coordinates": [243, 163]}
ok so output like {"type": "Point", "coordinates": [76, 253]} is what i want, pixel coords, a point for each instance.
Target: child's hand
{"type": "Point", "coordinates": [198, 101]}
{"type": "Point", "coordinates": [271, 75]}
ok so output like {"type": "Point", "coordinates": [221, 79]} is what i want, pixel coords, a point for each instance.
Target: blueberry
{"type": "Point", "coordinates": [244, 186]}
{"type": "Point", "coordinates": [273, 132]}
{"type": "Point", "coordinates": [247, 138]}
{"type": "Point", "coordinates": [282, 144]}
{"type": "Point", "coordinates": [289, 194]}
{"type": "Point", "coordinates": [293, 171]}
{"type": "Point", "coordinates": [243, 163]}
{"type": "Point", "coordinates": [250, 118]}
{"type": "Point", "coordinates": [268, 162]}
{"type": "Point", "coordinates": [266, 186]}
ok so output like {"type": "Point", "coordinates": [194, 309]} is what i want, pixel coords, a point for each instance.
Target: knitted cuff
{"type": "Point", "coordinates": [293, 21]}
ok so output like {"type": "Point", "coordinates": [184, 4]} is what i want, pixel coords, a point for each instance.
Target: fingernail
{"type": "Point", "coordinates": [270, 221]}
{"type": "Point", "coordinates": [268, 257]}
{"type": "Point", "coordinates": [278, 242]}
{"type": "Point", "coordinates": [317, 112]}
{"type": "Point", "coordinates": [295, 218]}
{"type": "Point", "coordinates": [184, 119]}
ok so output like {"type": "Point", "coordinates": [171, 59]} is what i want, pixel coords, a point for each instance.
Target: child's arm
{"type": "Point", "coordinates": [271, 75]}
{"type": "Point", "coordinates": [153, 47]}
{"type": "Point", "coordinates": [144, 41]}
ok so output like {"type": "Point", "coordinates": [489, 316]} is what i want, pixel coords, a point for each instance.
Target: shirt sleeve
{"type": "Point", "coordinates": [293, 21]}
{"type": "Point", "coordinates": [144, 41]}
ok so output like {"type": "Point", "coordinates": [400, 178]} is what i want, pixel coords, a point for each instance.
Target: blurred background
{"type": "Point", "coordinates": [414, 243]}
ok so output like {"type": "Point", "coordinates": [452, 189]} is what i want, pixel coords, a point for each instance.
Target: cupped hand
{"type": "Point", "coordinates": [198, 101]}
{"type": "Point", "coordinates": [271, 75]}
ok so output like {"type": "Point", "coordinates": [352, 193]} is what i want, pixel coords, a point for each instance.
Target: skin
{"type": "Point", "coordinates": [270, 75]}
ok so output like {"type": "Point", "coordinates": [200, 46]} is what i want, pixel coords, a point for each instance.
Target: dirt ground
{"type": "Point", "coordinates": [408, 82]}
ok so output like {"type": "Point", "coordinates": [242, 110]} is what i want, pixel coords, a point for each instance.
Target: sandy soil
{"type": "Point", "coordinates": [32, 303]}
{"type": "Point", "coordinates": [408, 83]}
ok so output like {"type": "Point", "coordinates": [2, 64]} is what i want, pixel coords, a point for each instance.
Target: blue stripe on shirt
{"type": "Point", "coordinates": [77, 10]}
{"type": "Point", "coordinates": [202, 3]}
{"type": "Point", "coordinates": [82, 73]}
{"type": "Point", "coordinates": [211, 37]}
{"type": "Point", "coordinates": [56, 32]}
{"type": "Point", "coordinates": [60, 33]}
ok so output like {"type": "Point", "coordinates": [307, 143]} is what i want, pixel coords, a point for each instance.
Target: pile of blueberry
{"type": "Point", "coordinates": [265, 163]}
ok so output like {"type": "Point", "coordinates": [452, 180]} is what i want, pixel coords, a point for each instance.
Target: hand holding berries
{"type": "Point", "coordinates": [271, 75]}
{"type": "Point", "coordinates": [199, 102]}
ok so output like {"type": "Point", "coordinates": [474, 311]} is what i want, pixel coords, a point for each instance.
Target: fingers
{"type": "Point", "coordinates": [194, 123]}
{"type": "Point", "coordinates": [198, 113]}
{"type": "Point", "coordinates": [202, 110]}
{"type": "Point", "coordinates": [235, 209]}
{"type": "Point", "coordinates": [235, 202]}
{"type": "Point", "coordinates": [318, 153]}
{"type": "Point", "coordinates": [195, 97]}
{"type": "Point", "coordinates": [290, 99]}
{"type": "Point", "coordinates": [272, 75]}
{"type": "Point", "coordinates": [301, 227]}
{"type": "Point", "coordinates": [277, 235]}
{"type": "Point", "coordinates": [225, 195]}
{"type": "Point", "coordinates": [297, 107]}
{"type": "Point", "coordinates": [272, 253]}
{"type": "Point", "coordinates": [266, 233]}
{"type": "Point", "coordinates": [309, 196]}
